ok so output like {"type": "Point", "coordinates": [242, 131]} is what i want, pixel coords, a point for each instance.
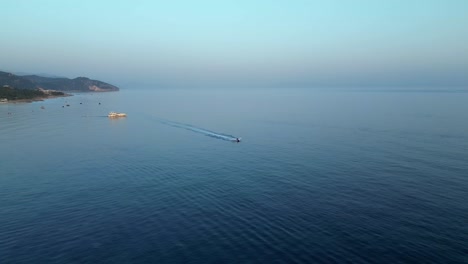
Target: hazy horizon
{"type": "Point", "coordinates": [209, 43]}
{"type": "Point", "coordinates": [264, 131]}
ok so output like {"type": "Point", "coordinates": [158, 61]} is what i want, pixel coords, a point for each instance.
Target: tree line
{"type": "Point", "coordinates": [17, 94]}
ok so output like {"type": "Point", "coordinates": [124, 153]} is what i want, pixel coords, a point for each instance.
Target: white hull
{"type": "Point", "coordinates": [115, 115]}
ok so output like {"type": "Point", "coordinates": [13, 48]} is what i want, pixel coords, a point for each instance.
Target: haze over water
{"type": "Point", "coordinates": [241, 43]}
{"type": "Point", "coordinates": [353, 118]}
{"type": "Point", "coordinates": [379, 179]}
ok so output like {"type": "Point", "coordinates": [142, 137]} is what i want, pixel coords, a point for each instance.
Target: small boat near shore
{"type": "Point", "coordinates": [116, 115]}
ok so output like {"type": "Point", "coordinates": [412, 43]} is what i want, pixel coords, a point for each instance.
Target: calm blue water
{"type": "Point", "coordinates": [320, 177]}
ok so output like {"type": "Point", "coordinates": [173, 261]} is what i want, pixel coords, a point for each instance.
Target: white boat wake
{"type": "Point", "coordinates": [202, 131]}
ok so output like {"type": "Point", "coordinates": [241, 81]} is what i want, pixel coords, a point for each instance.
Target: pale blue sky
{"type": "Point", "coordinates": [242, 42]}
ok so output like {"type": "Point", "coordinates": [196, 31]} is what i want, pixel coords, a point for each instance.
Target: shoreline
{"type": "Point", "coordinates": [43, 98]}
{"type": "Point", "coordinates": [38, 99]}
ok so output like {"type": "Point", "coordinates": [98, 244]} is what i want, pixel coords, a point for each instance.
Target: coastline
{"type": "Point", "coordinates": [43, 98]}
{"type": "Point", "coordinates": [38, 99]}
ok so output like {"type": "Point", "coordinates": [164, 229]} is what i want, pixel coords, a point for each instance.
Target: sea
{"type": "Point", "coordinates": [322, 175]}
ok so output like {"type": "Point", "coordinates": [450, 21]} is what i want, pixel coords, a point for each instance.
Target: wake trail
{"type": "Point", "coordinates": [198, 130]}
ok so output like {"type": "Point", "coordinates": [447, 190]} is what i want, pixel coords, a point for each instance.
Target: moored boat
{"type": "Point", "coordinates": [116, 114]}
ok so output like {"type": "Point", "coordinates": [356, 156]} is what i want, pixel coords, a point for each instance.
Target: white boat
{"type": "Point", "coordinates": [115, 114]}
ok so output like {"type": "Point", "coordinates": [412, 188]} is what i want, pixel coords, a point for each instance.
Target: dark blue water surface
{"type": "Point", "coordinates": [319, 177]}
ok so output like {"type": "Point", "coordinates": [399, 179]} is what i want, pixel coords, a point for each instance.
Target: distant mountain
{"type": "Point", "coordinates": [11, 80]}
{"type": "Point", "coordinates": [38, 74]}
{"type": "Point", "coordinates": [80, 84]}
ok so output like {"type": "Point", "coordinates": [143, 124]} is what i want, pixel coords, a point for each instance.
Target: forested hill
{"type": "Point", "coordinates": [81, 84]}
{"type": "Point", "coordinates": [15, 81]}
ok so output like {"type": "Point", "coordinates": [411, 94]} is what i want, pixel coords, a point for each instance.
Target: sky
{"type": "Point", "coordinates": [239, 43]}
